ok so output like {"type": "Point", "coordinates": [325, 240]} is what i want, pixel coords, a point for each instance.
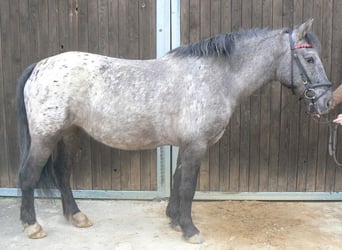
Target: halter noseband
{"type": "Point", "coordinates": [309, 92]}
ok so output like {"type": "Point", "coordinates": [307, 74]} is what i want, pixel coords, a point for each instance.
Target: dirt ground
{"type": "Point", "coordinates": [126, 225]}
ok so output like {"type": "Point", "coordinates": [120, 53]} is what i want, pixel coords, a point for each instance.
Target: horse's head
{"type": "Point", "coordinates": [304, 72]}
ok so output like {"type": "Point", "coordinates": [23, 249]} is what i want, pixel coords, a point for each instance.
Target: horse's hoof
{"type": "Point", "coordinates": [80, 220]}
{"type": "Point", "coordinates": [195, 239]}
{"type": "Point", "coordinates": [34, 231]}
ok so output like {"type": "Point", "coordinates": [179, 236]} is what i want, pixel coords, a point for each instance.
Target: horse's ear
{"type": "Point", "coordinates": [300, 32]}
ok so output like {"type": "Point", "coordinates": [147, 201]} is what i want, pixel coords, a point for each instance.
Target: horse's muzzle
{"type": "Point", "coordinates": [321, 105]}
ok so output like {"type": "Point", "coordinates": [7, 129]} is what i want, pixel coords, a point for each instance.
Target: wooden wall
{"type": "Point", "coordinates": [34, 29]}
{"type": "Point", "coordinates": [271, 143]}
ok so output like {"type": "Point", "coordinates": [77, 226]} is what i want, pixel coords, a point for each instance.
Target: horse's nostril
{"type": "Point", "coordinates": [329, 104]}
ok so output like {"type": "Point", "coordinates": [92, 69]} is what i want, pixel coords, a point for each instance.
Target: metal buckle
{"type": "Point", "coordinates": [310, 94]}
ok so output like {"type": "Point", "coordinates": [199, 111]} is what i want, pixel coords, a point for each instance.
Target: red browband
{"type": "Point", "coordinates": [303, 46]}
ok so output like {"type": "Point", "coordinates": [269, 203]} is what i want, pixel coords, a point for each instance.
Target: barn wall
{"type": "Point", "coordinates": [271, 144]}
{"type": "Point", "coordinates": [34, 29]}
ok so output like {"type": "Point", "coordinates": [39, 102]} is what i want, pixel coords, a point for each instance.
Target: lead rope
{"type": "Point", "coordinates": [332, 139]}
{"type": "Point", "coordinates": [332, 143]}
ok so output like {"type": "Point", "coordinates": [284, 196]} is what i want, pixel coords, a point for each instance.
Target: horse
{"type": "Point", "coordinates": [185, 98]}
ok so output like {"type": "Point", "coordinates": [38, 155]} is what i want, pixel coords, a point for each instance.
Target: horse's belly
{"type": "Point", "coordinates": [125, 138]}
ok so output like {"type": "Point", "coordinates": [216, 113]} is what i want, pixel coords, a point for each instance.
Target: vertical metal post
{"type": "Point", "coordinates": [168, 37]}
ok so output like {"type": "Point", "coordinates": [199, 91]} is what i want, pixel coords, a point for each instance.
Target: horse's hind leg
{"type": "Point", "coordinates": [29, 175]}
{"type": "Point", "coordinates": [66, 150]}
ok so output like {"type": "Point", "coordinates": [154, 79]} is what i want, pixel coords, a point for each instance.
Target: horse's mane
{"type": "Point", "coordinates": [223, 45]}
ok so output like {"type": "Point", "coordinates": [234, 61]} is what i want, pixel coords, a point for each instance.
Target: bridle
{"type": "Point", "coordinates": [309, 92]}
{"type": "Point", "coordinates": [311, 95]}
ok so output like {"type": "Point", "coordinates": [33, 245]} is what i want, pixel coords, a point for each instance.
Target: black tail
{"type": "Point", "coordinates": [24, 138]}
{"type": "Point", "coordinates": [23, 130]}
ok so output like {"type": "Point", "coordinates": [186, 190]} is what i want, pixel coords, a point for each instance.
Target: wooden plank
{"type": "Point", "coordinates": [147, 50]}
{"type": "Point", "coordinates": [83, 30]}
{"type": "Point", "coordinates": [147, 31]}
{"type": "Point", "coordinates": [93, 28]}
{"type": "Point", "coordinates": [116, 169]}
{"type": "Point", "coordinates": [135, 170]}
{"type": "Point", "coordinates": [82, 173]}
{"type": "Point", "coordinates": [226, 16]}
{"type": "Point", "coordinates": [303, 122]}
{"type": "Point", "coordinates": [98, 150]}
{"type": "Point", "coordinates": [265, 112]}
{"type": "Point", "coordinates": [313, 126]}
{"type": "Point", "coordinates": [145, 172]}
{"type": "Point", "coordinates": [33, 29]}
{"type": "Point", "coordinates": [194, 21]}
{"type": "Point", "coordinates": [275, 110]}
{"type": "Point", "coordinates": [113, 50]}
{"type": "Point", "coordinates": [214, 151]}
{"type": "Point", "coordinates": [154, 170]}
{"type": "Point", "coordinates": [133, 36]}
{"type": "Point", "coordinates": [73, 24]}
{"type": "Point", "coordinates": [128, 29]}
{"type": "Point", "coordinates": [53, 43]}
{"type": "Point", "coordinates": [203, 27]}
{"type": "Point", "coordinates": [255, 112]}
{"type": "Point", "coordinates": [104, 152]}
{"type": "Point", "coordinates": [334, 176]}
{"type": "Point", "coordinates": [224, 156]}
{"type": "Point", "coordinates": [24, 34]}
{"type": "Point", "coordinates": [125, 166]}
{"type": "Point", "coordinates": [326, 40]}
{"type": "Point", "coordinates": [12, 72]}
{"type": "Point", "coordinates": [245, 113]}
{"type": "Point", "coordinates": [288, 122]}
{"type": "Point", "coordinates": [4, 19]}
{"type": "Point", "coordinates": [224, 150]}
{"type": "Point", "coordinates": [95, 147]}
{"type": "Point", "coordinates": [113, 28]}
{"type": "Point", "coordinates": [234, 143]}
{"type": "Point", "coordinates": [103, 27]}
{"type": "Point", "coordinates": [185, 21]}
{"type": "Point", "coordinates": [63, 26]}
{"type": "Point", "coordinates": [43, 35]}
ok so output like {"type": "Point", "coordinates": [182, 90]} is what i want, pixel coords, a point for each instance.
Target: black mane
{"type": "Point", "coordinates": [219, 46]}
{"type": "Point", "coordinates": [224, 45]}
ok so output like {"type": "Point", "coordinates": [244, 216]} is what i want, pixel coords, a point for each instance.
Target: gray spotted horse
{"type": "Point", "coordinates": [185, 98]}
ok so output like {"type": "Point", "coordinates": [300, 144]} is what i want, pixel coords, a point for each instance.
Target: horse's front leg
{"type": "Point", "coordinates": [173, 207]}
{"type": "Point", "coordinates": [186, 177]}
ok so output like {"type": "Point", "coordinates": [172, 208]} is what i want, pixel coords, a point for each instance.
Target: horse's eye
{"type": "Point", "coordinates": [309, 60]}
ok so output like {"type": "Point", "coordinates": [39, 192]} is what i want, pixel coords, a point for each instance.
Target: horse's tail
{"type": "Point", "coordinates": [24, 137]}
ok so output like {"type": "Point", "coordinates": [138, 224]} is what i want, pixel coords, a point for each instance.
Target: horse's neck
{"type": "Point", "coordinates": [251, 67]}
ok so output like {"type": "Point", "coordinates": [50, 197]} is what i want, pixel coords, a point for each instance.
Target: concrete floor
{"type": "Point", "coordinates": [126, 225]}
